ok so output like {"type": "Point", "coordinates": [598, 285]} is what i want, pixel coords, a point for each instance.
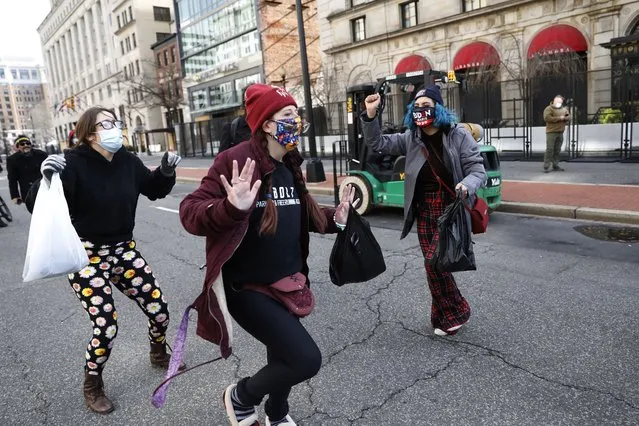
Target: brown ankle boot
{"type": "Point", "coordinates": [94, 396]}
{"type": "Point", "coordinates": [160, 357]}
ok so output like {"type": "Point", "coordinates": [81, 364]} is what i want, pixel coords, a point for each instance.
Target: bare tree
{"type": "Point", "coordinates": [327, 93]}
{"type": "Point", "coordinates": [158, 87]}
{"type": "Point", "coordinates": [42, 118]}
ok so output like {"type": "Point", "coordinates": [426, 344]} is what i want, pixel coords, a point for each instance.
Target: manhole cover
{"type": "Point", "coordinates": [609, 233]}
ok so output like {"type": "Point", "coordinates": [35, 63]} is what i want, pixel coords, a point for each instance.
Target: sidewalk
{"type": "Point", "coordinates": [588, 201]}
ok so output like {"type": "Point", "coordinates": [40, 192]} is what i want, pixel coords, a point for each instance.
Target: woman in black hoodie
{"type": "Point", "coordinates": [102, 183]}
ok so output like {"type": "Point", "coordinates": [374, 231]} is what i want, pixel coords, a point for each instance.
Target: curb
{"type": "Point", "coordinates": [571, 212]}
{"type": "Point", "coordinates": [545, 210]}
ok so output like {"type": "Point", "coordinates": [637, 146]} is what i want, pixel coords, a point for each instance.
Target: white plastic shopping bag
{"type": "Point", "coordinates": [54, 247]}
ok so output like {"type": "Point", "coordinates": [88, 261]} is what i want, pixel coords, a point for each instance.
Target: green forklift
{"type": "Point", "coordinates": [379, 179]}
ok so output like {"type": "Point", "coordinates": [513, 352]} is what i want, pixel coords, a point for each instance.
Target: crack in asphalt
{"type": "Point", "coordinates": [184, 261]}
{"type": "Point", "coordinates": [491, 352]}
{"type": "Point", "coordinates": [560, 383]}
{"type": "Point", "coordinates": [39, 394]}
{"type": "Point", "coordinates": [375, 310]}
{"type": "Point", "coordinates": [397, 392]}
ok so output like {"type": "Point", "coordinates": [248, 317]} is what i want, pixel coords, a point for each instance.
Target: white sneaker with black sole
{"type": "Point", "coordinates": [286, 421]}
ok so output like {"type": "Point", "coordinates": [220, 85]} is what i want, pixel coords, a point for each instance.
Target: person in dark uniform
{"type": "Point", "coordinates": [23, 168]}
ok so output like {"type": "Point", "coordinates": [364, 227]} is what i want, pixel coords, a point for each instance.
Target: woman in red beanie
{"type": "Point", "coordinates": [257, 223]}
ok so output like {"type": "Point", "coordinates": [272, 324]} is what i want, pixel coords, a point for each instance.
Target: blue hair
{"type": "Point", "coordinates": [444, 118]}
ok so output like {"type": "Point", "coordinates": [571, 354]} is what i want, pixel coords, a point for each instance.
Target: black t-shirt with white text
{"type": "Point", "coordinates": [269, 258]}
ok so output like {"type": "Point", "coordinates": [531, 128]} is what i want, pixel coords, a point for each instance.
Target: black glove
{"type": "Point", "coordinates": [169, 163]}
{"type": "Point", "coordinates": [52, 164]}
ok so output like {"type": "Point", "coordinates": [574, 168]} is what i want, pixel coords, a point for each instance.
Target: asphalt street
{"type": "Point", "coordinates": [553, 339]}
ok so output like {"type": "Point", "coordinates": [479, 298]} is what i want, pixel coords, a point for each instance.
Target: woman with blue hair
{"type": "Point", "coordinates": [438, 152]}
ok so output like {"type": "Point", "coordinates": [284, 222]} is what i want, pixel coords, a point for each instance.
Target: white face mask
{"type": "Point", "coordinates": [111, 139]}
{"type": "Point", "coordinates": [558, 104]}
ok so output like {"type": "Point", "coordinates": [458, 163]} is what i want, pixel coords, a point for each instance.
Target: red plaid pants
{"type": "Point", "coordinates": [449, 308]}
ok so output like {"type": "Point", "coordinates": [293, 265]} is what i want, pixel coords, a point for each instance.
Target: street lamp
{"type": "Point", "coordinates": [314, 167]}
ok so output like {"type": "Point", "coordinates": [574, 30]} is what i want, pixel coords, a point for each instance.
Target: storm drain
{"type": "Point", "coordinates": [620, 234]}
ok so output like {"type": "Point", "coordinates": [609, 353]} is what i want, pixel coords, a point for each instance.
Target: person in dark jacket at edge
{"type": "Point", "coordinates": [236, 131]}
{"type": "Point", "coordinates": [433, 141]}
{"type": "Point", "coordinates": [259, 241]}
{"type": "Point", "coordinates": [102, 183]}
{"type": "Point", "coordinates": [23, 168]}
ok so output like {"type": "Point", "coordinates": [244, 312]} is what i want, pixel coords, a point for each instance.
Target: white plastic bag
{"type": "Point", "coordinates": [54, 247]}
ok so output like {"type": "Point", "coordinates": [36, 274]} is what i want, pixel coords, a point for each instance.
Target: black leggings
{"type": "Point", "coordinates": [292, 355]}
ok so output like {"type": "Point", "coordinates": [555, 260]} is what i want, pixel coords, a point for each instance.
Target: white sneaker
{"type": "Point", "coordinates": [288, 421]}
{"type": "Point", "coordinates": [230, 410]}
{"type": "Point", "coordinates": [452, 330]}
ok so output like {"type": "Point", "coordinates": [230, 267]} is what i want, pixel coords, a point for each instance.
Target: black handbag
{"type": "Point", "coordinates": [356, 256]}
{"type": "Point", "coordinates": [454, 251]}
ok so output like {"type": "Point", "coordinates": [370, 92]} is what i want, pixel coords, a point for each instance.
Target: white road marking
{"type": "Point", "coordinates": [166, 210]}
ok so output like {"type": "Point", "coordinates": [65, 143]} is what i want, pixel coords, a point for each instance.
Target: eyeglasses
{"type": "Point", "coordinates": [109, 124]}
{"type": "Point", "coordinates": [24, 143]}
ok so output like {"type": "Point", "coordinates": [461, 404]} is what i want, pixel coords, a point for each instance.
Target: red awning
{"type": "Point", "coordinates": [412, 63]}
{"type": "Point", "coordinates": [557, 39]}
{"type": "Point", "coordinates": [476, 54]}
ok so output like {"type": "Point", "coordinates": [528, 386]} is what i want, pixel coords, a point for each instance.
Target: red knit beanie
{"type": "Point", "coordinates": [262, 101]}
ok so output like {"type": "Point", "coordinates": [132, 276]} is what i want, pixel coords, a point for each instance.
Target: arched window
{"type": "Point", "coordinates": [557, 64]}
{"type": "Point", "coordinates": [481, 98]}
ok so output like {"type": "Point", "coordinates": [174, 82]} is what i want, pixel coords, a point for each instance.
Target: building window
{"type": "Point", "coordinates": [119, 23]}
{"type": "Point", "coordinates": [470, 5]}
{"type": "Point", "coordinates": [359, 28]}
{"type": "Point", "coordinates": [122, 46]}
{"type": "Point", "coordinates": [166, 57]}
{"type": "Point", "coordinates": [135, 43]}
{"type": "Point", "coordinates": [409, 14]}
{"type": "Point", "coordinates": [130, 13]}
{"type": "Point", "coordinates": [173, 55]}
{"type": "Point", "coordinates": [161, 36]}
{"type": "Point", "coordinates": [159, 60]}
{"type": "Point", "coordinates": [162, 14]}
{"type": "Point", "coordinates": [125, 74]}
{"type": "Point", "coordinates": [109, 93]}
{"type": "Point", "coordinates": [137, 67]}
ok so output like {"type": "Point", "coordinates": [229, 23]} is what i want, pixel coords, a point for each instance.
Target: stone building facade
{"type": "Point", "coordinates": [512, 40]}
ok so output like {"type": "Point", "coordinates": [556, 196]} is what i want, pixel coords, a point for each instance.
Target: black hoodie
{"type": "Point", "coordinates": [103, 195]}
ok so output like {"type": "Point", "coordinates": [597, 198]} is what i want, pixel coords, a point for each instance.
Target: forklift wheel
{"type": "Point", "coordinates": [363, 192]}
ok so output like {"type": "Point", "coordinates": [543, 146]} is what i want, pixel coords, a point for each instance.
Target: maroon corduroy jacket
{"type": "Point", "coordinates": [207, 212]}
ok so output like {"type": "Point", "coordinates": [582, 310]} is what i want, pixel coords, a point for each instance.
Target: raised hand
{"type": "Point", "coordinates": [372, 102]}
{"type": "Point", "coordinates": [169, 163]}
{"type": "Point", "coordinates": [240, 193]}
{"type": "Point", "coordinates": [341, 212]}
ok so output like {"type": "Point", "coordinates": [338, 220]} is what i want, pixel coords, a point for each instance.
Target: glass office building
{"type": "Point", "coordinates": [220, 53]}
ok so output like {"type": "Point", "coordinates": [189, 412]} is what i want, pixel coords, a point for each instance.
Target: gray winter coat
{"type": "Point", "coordinates": [461, 157]}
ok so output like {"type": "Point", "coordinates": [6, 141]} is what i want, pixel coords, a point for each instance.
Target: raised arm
{"type": "Point", "coordinates": [394, 144]}
{"type": "Point", "coordinates": [159, 182]}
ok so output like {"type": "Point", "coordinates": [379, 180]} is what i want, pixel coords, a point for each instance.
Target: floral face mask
{"type": "Point", "coordinates": [288, 132]}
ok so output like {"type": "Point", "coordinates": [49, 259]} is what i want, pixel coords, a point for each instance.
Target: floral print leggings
{"type": "Point", "coordinates": [124, 267]}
